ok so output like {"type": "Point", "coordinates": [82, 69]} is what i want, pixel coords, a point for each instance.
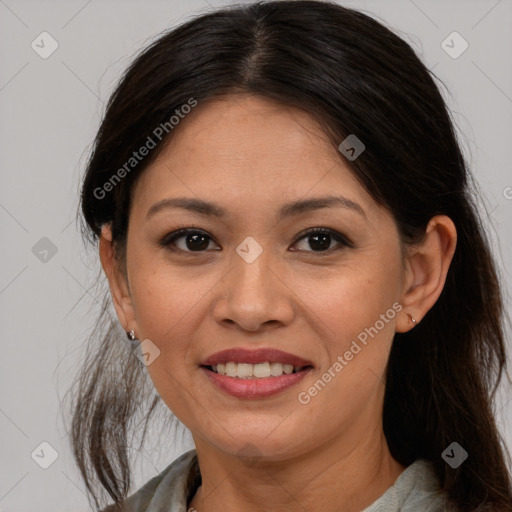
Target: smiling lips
{"type": "Point", "coordinates": [254, 356]}
{"type": "Point", "coordinates": [255, 373]}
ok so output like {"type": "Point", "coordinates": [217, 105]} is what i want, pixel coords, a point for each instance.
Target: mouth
{"type": "Point", "coordinates": [265, 370]}
{"type": "Point", "coordinates": [254, 381]}
{"type": "Point", "coordinates": [254, 373]}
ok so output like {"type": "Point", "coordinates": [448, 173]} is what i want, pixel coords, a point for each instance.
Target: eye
{"type": "Point", "coordinates": [194, 240]}
{"type": "Point", "coordinates": [320, 240]}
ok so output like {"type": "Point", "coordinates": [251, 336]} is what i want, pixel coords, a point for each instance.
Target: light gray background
{"type": "Point", "coordinates": [49, 112]}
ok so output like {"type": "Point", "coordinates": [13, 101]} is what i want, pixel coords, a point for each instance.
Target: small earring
{"type": "Point", "coordinates": [131, 336]}
{"type": "Point", "coordinates": [412, 319]}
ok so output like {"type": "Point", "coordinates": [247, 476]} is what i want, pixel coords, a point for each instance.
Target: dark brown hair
{"type": "Point", "coordinates": [355, 76]}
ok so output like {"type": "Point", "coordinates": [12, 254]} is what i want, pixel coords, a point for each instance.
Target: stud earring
{"type": "Point", "coordinates": [412, 319]}
{"type": "Point", "coordinates": [131, 336]}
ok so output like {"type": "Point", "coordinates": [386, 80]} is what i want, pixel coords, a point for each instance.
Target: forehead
{"type": "Point", "coordinates": [249, 152]}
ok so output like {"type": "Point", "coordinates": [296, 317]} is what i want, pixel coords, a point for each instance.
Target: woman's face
{"type": "Point", "coordinates": [256, 280]}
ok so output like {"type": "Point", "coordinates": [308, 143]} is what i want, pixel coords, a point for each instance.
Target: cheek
{"type": "Point", "coordinates": [164, 297]}
{"type": "Point", "coordinates": [353, 299]}
{"type": "Point", "coordinates": [166, 307]}
{"type": "Point", "coordinates": [355, 316]}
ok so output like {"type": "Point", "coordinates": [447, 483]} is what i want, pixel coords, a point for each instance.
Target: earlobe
{"type": "Point", "coordinates": [427, 266]}
{"type": "Point", "coordinates": [119, 289]}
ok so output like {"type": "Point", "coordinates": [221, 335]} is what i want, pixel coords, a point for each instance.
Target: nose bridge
{"type": "Point", "coordinates": [251, 271]}
{"type": "Point", "coordinates": [251, 292]}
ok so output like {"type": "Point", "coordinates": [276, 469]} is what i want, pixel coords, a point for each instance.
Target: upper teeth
{"type": "Point", "coordinates": [260, 370]}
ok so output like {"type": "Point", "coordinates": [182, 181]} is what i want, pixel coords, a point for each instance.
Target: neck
{"type": "Point", "coordinates": [330, 478]}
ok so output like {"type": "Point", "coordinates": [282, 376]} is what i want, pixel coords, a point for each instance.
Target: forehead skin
{"type": "Point", "coordinates": [252, 155]}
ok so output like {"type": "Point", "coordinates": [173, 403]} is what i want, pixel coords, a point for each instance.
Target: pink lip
{"type": "Point", "coordinates": [255, 388]}
{"type": "Point", "coordinates": [254, 356]}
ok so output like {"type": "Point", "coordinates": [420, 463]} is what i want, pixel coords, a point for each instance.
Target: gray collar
{"type": "Point", "coordinates": [417, 489]}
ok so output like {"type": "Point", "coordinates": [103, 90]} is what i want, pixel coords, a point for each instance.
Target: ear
{"type": "Point", "coordinates": [426, 267]}
{"type": "Point", "coordinates": [118, 282]}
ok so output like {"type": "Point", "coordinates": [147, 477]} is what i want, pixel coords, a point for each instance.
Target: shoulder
{"type": "Point", "coordinates": [417, 489]}
{"type": "Point", "coordinates": [171, 486]}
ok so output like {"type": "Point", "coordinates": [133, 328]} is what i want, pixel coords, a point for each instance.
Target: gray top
{"type": "Point", "coordinates": [417, 489]}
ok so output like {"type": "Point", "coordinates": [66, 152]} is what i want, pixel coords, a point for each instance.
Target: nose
{"type": "Point", "coordinates": [253, 296]}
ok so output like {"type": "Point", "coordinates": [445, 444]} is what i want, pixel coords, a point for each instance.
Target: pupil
{"type": "Point", "coordinates": [324, 244]}
{"type": "Point", "coordinates": [195, 245]}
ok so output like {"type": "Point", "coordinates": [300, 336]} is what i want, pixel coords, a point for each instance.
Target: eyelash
{"type": "Point", "coordinates": [170, 238]}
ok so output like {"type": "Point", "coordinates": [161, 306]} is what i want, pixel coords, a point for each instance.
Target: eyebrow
{"type": "Point", "coordinates": [287, 210]}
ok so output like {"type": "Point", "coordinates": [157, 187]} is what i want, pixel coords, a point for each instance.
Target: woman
{"type": "Point", "coordinates": [291, 241]}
